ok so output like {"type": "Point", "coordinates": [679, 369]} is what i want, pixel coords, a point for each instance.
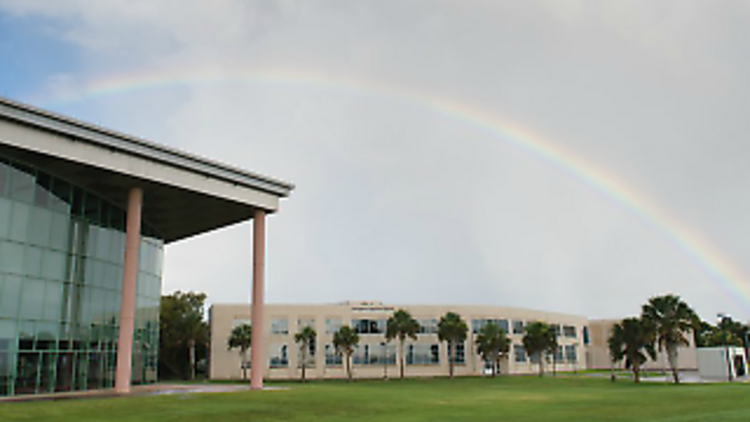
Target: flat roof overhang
{"type": "Point", "coordinates": [184, 195]}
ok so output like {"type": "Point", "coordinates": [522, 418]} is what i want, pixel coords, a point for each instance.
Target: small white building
{"type": "Point", "coordinates": [723, 363]}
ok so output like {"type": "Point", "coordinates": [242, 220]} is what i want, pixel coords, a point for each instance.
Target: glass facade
{"type": "Point", "coordinates": [61, 264]}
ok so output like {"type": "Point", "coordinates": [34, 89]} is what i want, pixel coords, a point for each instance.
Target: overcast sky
{"type": "Point", "coordinates": [391, 118]}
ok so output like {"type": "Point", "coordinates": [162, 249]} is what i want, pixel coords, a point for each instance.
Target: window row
{"type": "Point", "coordinates": [563, 354]}
{"type": "Point", "coordinates": [27, 184]}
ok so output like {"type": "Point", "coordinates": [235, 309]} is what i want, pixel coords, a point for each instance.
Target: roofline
{"type": "Point", "coordinates": [132, 145]}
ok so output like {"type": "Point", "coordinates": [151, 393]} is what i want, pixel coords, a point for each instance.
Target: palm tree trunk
{"type": "Point", "coordinates": [348, 366]}
{"type": "Point", "coordinates": [243, 362]}
{"type": "Point", "coordinates": [451, 357]}
{"type": "Point", "coordinates": [541, 365]}
{"type": "Point", "coordinates": [672, 358]}
{"type": "Point", "coordinates": [304, 361]}
{"type": "Point", "coordinates": [192, 359]}
{"type": "Point", "coordinates": [637, 372]}
{"type": "Point", "coordinates": [495, 367]}
{"type": "Point", "coordinates": [402, 359]}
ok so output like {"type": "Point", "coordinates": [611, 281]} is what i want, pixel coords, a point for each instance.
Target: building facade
{"type": "Point", "coordinates": [374, 357]}
{"type": "Point", "coordinates": [85, 214]}
{"type": "Point", "coordinates": [61, 265]}
{"type": "Point", "coordinates": [598, 357]}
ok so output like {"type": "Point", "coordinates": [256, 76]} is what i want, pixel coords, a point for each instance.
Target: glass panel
{"type": "Point", "coordinates": [19, 221]}
{"type": "Point", "coordinates": [21, 183]}
{"type": "Point", "coordinates": [32, 299]}
{"type": "Point", "coordinates": [7, 331]}
{"type": "Point", "coordinates": [53, 301]}
{"type": "Point", "coordinates": [10, 296]}
{"type": "Point", "coordinates": [53, 265]}
{"type": "Point", "coordinates": [6, 207]}
{"type": "Point", "coordinates": [4, 178]}
{"type": "Point", "coordinates": [11, 256]}
{"type": "Point", "coordinates": [33, 261]}
{"type": "Point", "coordinates": [59, 232]}
{"type": "Point", "coordinates": [42, 191]}
{"type": "Point", "coordinates": [40, 227]}
{"type": "Point", "coordinates": [59, 199]}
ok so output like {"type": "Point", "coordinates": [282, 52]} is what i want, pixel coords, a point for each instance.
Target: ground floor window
{"type": "Point", "coordinates": [309, 355]}
{"type": "Point", "coordinates": [460, 355]}
{"type": "Point", "coordinates": [423, 354]}
{"type": "Point", "coordinates": [333, 358]}
{"type": "Point", "coordinates": [279, 356]}
{"type": "Point", "coordinates": [519, 353]}
{"type": "Point", "coordinates": [571, 353]}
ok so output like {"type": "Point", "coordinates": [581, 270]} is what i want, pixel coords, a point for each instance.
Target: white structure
{"type": "Point", "coordinates": [722, 363]}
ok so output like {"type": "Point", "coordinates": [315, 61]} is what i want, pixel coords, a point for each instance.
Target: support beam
{"type": "Point", "coordinates": [259, 264]}
{"type": "Point", "coordinates": [127, 305]}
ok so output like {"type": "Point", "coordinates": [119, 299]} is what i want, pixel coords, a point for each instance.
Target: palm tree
{"type": "Point", "coordinates": [240, 338]}
{"type": "Point", "coordinates": [672, 319]}
{"type": "Point", "coordinates": [401, 325]}
{"type": "Point", "coordinates": [345, 339]}
{"type": "Point", "coordinates": [492, 343]}
{"type": "Point", "coordinates": [305, 338]}
{"type": "Point", "coordinates": [538, 339]}
{"type": "Point", "coordinates": [452, 330]}
{"type": "Point", "coordinates": [629, 339]}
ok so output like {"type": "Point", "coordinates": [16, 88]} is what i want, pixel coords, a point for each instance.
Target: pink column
{"type": "Point", "coordinates": [127, 305]}
{"type": "Point", "coordinates": [259, 258]}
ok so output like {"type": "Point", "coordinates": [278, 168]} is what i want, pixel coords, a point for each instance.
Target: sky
{"type": "Point", "coordinates": [571, 156]}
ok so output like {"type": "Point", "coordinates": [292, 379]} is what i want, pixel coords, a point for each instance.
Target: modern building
{"type": "Point", "coordinates": [85, 214]}
{"type": "Point", "coordinates": [597, 353]}
{"type": "Point", "coordinates": [374, 357]}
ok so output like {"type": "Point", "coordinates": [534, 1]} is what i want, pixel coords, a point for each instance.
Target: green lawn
{"type": "Point", "coordinates": [461, 399]}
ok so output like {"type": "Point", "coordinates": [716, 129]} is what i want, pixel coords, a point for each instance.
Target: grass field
{"type": "Point", "coordinates": [461, 399]}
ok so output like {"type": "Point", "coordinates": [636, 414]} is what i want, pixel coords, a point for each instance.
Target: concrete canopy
{"type": "Point", "coordinates": [184, 195]}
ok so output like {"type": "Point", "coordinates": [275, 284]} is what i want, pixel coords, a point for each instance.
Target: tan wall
{"type": "Point", "coordinates": [225, 364]}
{"type": "Point", "coordinates": [597, 354]}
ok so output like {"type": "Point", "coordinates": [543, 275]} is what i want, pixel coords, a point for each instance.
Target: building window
{"type": "Point", "coordinates": [518, 327]}
{"type": "Point", "coordinates": [305, 322]}
{"type": "Point", "coordinates": [279, 357]}
{"type": "Point", "coordinates": [519, 353]}
{"type": "Point", "coordinates": [559, 355]}
{"type": "Point", "coordinates": [332, 325]}
{"type": "Point", "coordinates": [241, 321]}
{"type": "Point", "coordinates": [333, 358]}
{"type": "Point", "coordinates": [556, 328]}
{"type": "Point", "coordinates": [309, 356]}
{"type": "Point", "coordinates": [586, 340]}
{"type": "Point", "coordinates": [423, 354]}
{"type": "Point", "coordinates": [369, 326]}
{"type": "Point", "coordinates": [571, 353]}
{"type": "Point", "coordinates": [478, 324]}
{"type": "Point", "coordinates": [460, 357]}
{"type": "Point", "coordinates": [279, 326]}
{"type": "Point", "coordinates": [428, 326]}
{"type": "Point", "coordinates": [569, 331]}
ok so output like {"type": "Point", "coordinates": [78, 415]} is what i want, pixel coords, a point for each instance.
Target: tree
{"type": "Point", "coordinates": [401, 325]}
{"type": "Point", "coordinates": [538, 339]}
{"type": "Point", "coordinates": [345, 339]}
{"type": "Point", "coordinates": [241, 338]}
{"type": "Point", "coordinates": [452, 330]}
{"type": "Point", "coordinates": [629, 339]}
{"type": "Point", "coordinates": [183, 333]}
{"type": "Point", "coordinates": [492, 344]}
{"type": "Point", "coordinates": [672, 319]}
{"type": "Point", "coordinates": [305, 337]}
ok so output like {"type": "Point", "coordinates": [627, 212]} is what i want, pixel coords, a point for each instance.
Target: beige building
{"type": "Point", "coordinates": [374, 357]}
{"type": "Point", "coordinates": [597, 352]}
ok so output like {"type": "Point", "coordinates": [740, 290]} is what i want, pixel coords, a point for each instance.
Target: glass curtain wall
{"type": "Point", "coordinates": [61, 264]}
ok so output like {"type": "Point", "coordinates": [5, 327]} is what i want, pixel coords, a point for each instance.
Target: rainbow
{"type": "Point", "coordinates": [697, 249]}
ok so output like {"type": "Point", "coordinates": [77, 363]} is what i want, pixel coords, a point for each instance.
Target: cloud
{"type": "Point", "coordinates": [400, 203]}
